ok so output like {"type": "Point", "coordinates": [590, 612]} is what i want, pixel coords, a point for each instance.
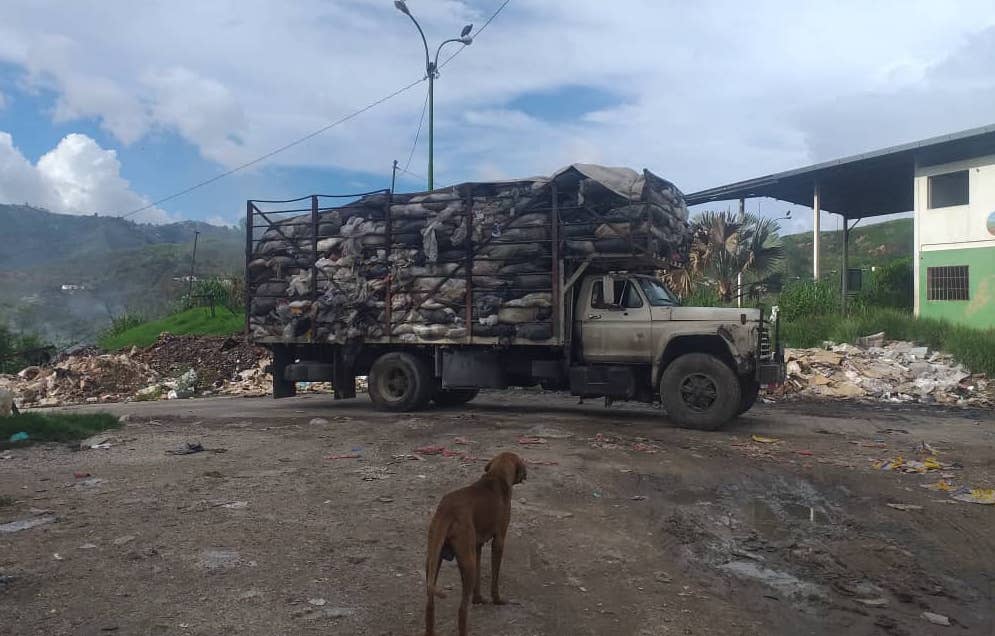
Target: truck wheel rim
{"type": "Point", "coordinates": [699, 392]}
{"type": "Point", "coordinates": [395, 384]}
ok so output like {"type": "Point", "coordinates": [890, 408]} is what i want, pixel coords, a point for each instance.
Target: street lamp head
{"type": "Point", "coordinates": [466, 40]}
{"type": "Point", "coordinates": [466, 30]}
{"type": "Point", "coordinates": [402, 7]}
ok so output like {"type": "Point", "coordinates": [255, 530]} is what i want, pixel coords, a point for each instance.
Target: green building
{"type": "Point", "coordinates": [947, 182]}
{"type": "Point", "coordinates": [955, 241]}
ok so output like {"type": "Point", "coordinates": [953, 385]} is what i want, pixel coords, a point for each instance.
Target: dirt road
{"type": "Point", "coordinates": [624, 526]}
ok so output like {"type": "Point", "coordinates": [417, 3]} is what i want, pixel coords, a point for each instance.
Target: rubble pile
{"type": "Point", "coordinates": [80, 379]}
{"type": "Point", "coordinates": [216, 359]}
{"type": "Point", "coordinates": [408, 262]}
{"type": "Point", "coordinates": [893, 371]}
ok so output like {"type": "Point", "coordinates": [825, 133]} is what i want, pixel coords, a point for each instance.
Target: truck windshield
{"type": "Point", "coordinates": [656, 293]}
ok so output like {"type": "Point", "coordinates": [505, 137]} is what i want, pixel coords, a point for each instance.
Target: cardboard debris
{"type": "Point", "coordinates": [892, 371]}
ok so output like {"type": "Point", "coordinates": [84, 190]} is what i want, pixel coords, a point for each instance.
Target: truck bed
{"type": "Point", "coordinates": [474, 264]}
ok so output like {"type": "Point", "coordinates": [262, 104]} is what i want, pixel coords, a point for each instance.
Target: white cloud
{"type": "Point", "coordinates": [708, 93]}
{"type": "Point", "coordinates": [75, 177]}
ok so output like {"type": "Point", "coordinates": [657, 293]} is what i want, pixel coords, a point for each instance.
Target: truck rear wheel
{"type": "Point", "coordinates": [700, 391]}
{"type": "Point", "coordinates": [454, 397]}
{"type": "Point", "coordinates": [399, 382]}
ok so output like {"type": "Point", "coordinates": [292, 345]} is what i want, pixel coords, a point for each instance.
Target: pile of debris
{"type": "Point", "coordinates": [894, 372]}
{"type": "Point", "coordinates": [80, 379]}
{"type": "Point", "coordinates": [216, 359]}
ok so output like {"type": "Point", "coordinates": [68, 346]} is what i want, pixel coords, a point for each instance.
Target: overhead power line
{"type": "Point", "coordinates": [477, 33]}
{"type": "Point", "coordinates": [414, 145]}
{"type": "Point", "coordinates": [323, 129]}
{"type": "Point", "coordinates": [276, 151]}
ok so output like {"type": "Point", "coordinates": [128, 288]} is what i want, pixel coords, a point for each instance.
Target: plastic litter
{"type": "Point", "coordinates": [936, 619]}
{"type": "Point", "coordinates": [20, 437]}
{"type": "Point", "coordinates": [904, 507]}
{"type": "Point", "coordinates": [531, 441]}
{"type": "Point", "coordinates": [984, 496]}
{"type": "Point", "coordinates": [764, 440]}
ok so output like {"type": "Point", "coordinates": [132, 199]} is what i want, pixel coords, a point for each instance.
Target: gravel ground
{"type": "Point", "coordinates": [624, 526]}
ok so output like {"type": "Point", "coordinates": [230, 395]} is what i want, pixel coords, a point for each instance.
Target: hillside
{"type": "Point", "coordinates": [115, 266]}
{"type": "Point", "coordinates": [869, 245]}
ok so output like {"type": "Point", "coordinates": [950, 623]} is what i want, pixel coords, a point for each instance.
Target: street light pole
{"type": "Point", "coordinates": [432, 72]}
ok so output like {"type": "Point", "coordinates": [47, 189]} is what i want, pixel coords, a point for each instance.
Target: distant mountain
{"type": "Point", "coordinates": [32, 236]}
{"type": "Point", "coordinates": [870, 245]}
{"type": "Point", "coordinates": [66, 276]}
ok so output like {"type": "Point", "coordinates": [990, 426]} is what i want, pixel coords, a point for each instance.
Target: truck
{"type": "Point", "coordinates": [547, 281]}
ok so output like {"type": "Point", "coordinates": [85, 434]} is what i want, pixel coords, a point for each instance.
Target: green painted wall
{"type": "Point", "coordinates": [979, 311]}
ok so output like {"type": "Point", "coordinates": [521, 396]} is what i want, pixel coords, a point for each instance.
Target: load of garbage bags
{"type": "Point", "coordinates": [473, 259]}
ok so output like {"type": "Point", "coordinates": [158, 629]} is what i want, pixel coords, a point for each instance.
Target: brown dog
{"type": "Point", "coordinates": [465, 520]}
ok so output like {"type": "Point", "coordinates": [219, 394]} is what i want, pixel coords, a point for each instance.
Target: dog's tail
{"type": "Point", "coordinates": [436, 541]}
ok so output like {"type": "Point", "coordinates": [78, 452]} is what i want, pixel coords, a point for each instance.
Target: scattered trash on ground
{"type": "Point", "coordinates": [531, 441]}
{"type": "Point", "coordinates": [765, 440]}
{"type": "Point", "coordinates": [318, 421]}
{"type": "Point", "coordinates": [984, 496]}
{"type": "Point", "coordinates": [19, 437]}
{"type": "Point", "coordinates": [903, 507]}
{"type": "Point", "coordinates": [188, 448]}
{"type": "Point", "coordinates": [25, 524]}
{"type": "Point", "coordinates": [876, 370]}
{"type": "Point", "coordinates": [936, 619]}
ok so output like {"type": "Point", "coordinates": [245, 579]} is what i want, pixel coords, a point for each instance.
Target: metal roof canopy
{"type": "Point", "coordinates": [869, 184]}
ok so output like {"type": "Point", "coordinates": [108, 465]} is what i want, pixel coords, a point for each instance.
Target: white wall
{"type": "Point", "coordinates": [956, 227]}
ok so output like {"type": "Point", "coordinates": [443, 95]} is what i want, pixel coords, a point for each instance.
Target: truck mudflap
{"type": "Point", "coordinates": [770, 369]}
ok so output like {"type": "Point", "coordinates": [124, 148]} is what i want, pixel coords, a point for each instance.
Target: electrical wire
{"type": "Point", "coordinates": [477, 34]}
{"type": "Point", "coordinates": [414, 145]}
{"type": "Point", "coordinates": [323, 129]}
{"type": "Point", "coordinates": [276, 151]}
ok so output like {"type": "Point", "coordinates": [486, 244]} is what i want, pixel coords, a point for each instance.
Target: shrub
{"type": "Point", "coordinates": [891, 286]}
{"type": "Point", "coordinates": [808, 298]}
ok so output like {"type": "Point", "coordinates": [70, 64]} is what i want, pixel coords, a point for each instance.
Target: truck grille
{"type": "Point", "coordinates": [765, 351]}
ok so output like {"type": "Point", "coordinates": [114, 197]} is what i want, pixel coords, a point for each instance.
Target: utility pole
{"type": "Point", "coordinates": [193, 263]}
{"type": "Point", "coordinates": [432, 72]}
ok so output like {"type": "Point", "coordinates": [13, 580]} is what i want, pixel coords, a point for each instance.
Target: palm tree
{"type": "Point", "coordinates": [725, 246]}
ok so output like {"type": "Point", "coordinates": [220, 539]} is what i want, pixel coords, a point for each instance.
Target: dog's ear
{"type": "Point", "coordinates": [487, 468]}
{"type": "Point", "coordinates": [520, 472]}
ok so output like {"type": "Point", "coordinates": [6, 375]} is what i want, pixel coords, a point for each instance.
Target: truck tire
{"type": "Point", "coordinates": [454, 397]}
{"type": "Point", "coordinates": [399, 382]}
{"type": "Point", "coordinates": [749, 390]}
{"type": "Point", "coordinates": [700, 391]}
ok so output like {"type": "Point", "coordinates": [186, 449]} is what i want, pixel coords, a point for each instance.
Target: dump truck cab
{"type": "Point", "coordinates": [633, 340]}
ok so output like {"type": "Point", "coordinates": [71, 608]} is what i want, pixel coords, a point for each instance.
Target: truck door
{"type": "Point", "coordinates": [615, 326]}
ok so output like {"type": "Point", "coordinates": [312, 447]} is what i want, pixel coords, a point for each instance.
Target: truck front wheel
{"type": "Point", "coordinates": [399, 382]}
{"type": "Point", "coordinates": [454, 397]}
{"type": "Point", "coordinates": [700, 391]}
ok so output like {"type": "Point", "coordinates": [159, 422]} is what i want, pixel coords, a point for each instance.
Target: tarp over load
{"type": "Point", "coordinates": [472, 260]}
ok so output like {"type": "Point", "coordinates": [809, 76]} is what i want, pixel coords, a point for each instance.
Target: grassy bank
{"type": "Point", "coordinates": [196, 321]}
{"type": "Point", "coordinates": [974, 348]}
{"type": "Point", "coordinates": [54, 427]}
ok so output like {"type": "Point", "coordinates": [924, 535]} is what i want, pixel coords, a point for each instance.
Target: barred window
{"type": "Point", "coordinates": [947, 283]}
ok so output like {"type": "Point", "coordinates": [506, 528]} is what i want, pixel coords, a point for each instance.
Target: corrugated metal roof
{"type": "Point", "coordinates": [869, 184]}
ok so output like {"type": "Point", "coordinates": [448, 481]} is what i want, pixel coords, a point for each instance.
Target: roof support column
{"type": "Point", "coordinates": [816, 196]}
{"type": "Point", "coordinates": [845, 282]}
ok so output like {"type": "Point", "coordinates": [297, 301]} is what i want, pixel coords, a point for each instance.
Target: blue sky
{"type": "Point", "coordinates": [108, 105]}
